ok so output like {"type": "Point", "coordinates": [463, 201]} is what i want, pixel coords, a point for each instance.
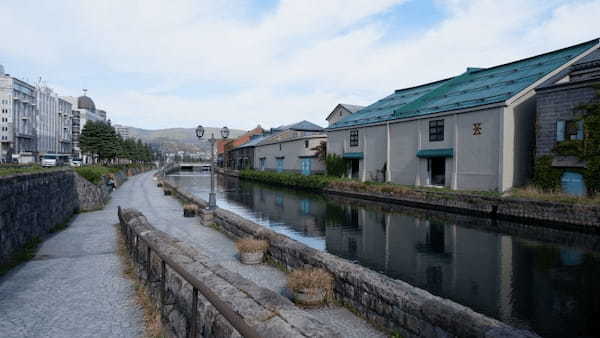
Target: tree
{"type": "Point", "coordinates": [321, 151]}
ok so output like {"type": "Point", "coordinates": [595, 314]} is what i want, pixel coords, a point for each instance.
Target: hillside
{"type": "Point", "coordinates": [176, 139]}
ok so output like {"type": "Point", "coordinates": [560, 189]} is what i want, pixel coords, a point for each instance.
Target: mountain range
{"type": "Point", "coordinates": [178, 139]}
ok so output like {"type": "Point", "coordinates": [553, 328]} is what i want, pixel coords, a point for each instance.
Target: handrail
{"type": "Point", "coordinates": [225, 309]}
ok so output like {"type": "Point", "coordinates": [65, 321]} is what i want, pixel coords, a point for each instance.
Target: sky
{"type": "Point", "coordinates": [179, 63]}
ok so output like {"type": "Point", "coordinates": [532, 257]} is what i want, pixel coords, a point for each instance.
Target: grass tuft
{"type": "Point", "coordinates": [251, 245]}
{"type": "Point", "coordinates": [311, 278]}
{"type": "Point", "coordinates": [152, 321]}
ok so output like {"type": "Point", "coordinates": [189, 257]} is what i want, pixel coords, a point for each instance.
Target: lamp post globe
{"type": "Point", "coordinates": [199, 131]}
{"type": "Point", "coordinates": [224, 132]}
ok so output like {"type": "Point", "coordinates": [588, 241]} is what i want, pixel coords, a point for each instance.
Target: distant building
{"type": "Point", "coordinates": [558, 117]}
{"type": "Point", "coordinates": [17, 119]}
{"type": "Point", "coordinates": [228, 146]}
{"type": "Point", "coordinates": [242, 157]}
{"type": "Point", "coordinates": [474, 131]}
{"type": "Point", "coordinates": [341, 111]}
{"type": "Point", "coordinates": [290, 149]}
{"type": "Point", "coordinates": [123, 131]}
{"type": "Point", "coordinates": [53, 122]}
{"type": "Point", "coordinates": [84, 110]}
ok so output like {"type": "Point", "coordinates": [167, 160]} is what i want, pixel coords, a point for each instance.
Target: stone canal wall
{"type": "Point", "coordinates": [266, 312]}
{"type": "Point", "coordinates": [584, 217]}
{"type": "Point", "coordinates": [392, 304]}
{"type": "Point", "coordinates": [32, 204]}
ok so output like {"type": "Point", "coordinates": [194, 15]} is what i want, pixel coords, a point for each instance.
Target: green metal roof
{"type": "Point", "coordinates": [475, 87]}
{"type": "Point", "coordinates": [427, 153]}
{"type": "Point", "coordinates": [357, 155]}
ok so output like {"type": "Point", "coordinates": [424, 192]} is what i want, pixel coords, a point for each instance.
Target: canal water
{"type": "Point", "coordinates": [544, 280]}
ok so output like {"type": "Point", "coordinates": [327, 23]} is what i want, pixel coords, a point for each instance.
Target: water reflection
{"type": "Point", "coordinates": [544, 281]}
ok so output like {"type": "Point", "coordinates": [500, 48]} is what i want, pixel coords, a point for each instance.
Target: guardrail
{"type": "Point", "coordinates": [133, 239]}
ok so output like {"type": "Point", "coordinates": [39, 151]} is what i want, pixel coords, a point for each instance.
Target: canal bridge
{"type": "Point", "coordinates": [193, 166]}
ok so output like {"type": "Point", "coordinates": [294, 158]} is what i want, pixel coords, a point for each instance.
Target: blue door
{"type": "Point", "coordinates": [262, 163]}
{"type": "Point", "coordinates": [573, 184]}
{"type": "Point", "coordinates": [305, 166]}
{"type": "Point", "coordinates": [279, 165]}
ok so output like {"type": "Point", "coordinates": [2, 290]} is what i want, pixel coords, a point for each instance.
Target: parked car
{"type": "Point", "coordinates": [76, 162]}
{"type": "Point", "coordinates": [54, 160]}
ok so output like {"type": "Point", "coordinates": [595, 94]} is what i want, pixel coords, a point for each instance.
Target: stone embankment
{"type": "Point", "coordinates": [583, 217]}
{"type": "Point", "coordinates": [168, 266]}
{"type": "Point", "coordinates": [388, 303]}
{"type": "Point", "coordinates": [34, 203]}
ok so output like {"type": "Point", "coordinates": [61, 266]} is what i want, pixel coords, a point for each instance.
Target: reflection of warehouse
{"type": "Point", "coordinates": [469, 266]}
{"type": "Point", "coordinates": [522, 282]}
{"type": "Point", "coordinates": [302, 214]}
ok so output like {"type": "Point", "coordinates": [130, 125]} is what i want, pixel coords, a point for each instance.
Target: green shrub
{"type": "Point", "coordinates": [94, 173]}
{"type": "Point", "coordinates": [287, 179]}
{"type": "Point", "coordinates": [545, 176]}
{"type": "Point", "coordinates": [336, 165]}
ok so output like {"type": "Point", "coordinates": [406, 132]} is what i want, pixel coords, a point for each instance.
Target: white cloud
{"type": "Point", "coordinates": [295, 62]}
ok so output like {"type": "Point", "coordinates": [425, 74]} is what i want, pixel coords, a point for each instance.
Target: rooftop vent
{"type": "Point", "coordinates": [473, 69]}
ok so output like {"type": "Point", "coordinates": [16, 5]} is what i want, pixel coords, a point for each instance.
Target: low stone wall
{"type": "Point", "coordinates": [268, 313]}
{"type": "Point", "coordinates": [386, 302]}
{"type": "Point", "coordinates": [31, 204]}
{"type": "Point", "coordinates": [550, 214]}
{"type": "Point", "coordinates": [582, 217]}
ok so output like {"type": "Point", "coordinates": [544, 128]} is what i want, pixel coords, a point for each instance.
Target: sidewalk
{"type": "Point", "coordinates": [74, 287]}
{"type": "Point", "coordinates": [165, 213]}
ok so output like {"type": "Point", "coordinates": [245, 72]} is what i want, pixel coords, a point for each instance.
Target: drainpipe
{"type": "Point", "coordinates": [364, 161]}
{"type": "Point", "coordinates": [388, 170]}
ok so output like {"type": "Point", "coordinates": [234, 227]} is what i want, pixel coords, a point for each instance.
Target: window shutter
{"type": "Point", "coordinates": [560, 130]}
{"type": "Point", "coordinates": [580, 130]}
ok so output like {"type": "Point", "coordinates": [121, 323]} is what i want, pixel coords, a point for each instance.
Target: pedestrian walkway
{"type": "Point", "coordinates": [74, 287]}
{"type": "Point", "coordinates": [165, 213]}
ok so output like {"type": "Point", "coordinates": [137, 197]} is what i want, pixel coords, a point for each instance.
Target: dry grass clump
{"type": "Point", "coordinates": [371, 187]}
{"type": "Point", "coordinates": [310, 279]}
{"type": "Point", "coordinates": [191, 207]}
{"type": "Point", "coordinates": [152, 320]}
{"type": "Point", "coordinates": [251, 245]}
{"type": "Point", "coordinates": [533, 192]}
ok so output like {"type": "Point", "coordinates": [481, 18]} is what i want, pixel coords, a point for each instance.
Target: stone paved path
{"type": "Point", "coordinates": [165, 213]}
{"type": "Point", "coordinates": [74, 287]}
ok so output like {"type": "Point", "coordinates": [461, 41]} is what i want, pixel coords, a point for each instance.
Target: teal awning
{"type": "Point", "coordinates": [357, 155]}
{"type": "Point", "coordinates": [428, 153]}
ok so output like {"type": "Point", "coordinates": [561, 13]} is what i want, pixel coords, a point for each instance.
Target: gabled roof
{"type": "Point", "coordinates": [352, 108]}
{"type": "Point", "coordinates": [300, 126]}
{"type": "Point", "coordinates": [254, 141]}
{"type": "Point", "coordinates": [475, 87]}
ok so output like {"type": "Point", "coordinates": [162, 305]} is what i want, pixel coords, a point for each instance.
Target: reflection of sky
{"type": "Point", "coordinates": [201, 189]}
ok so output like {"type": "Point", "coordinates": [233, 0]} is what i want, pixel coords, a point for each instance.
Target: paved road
{"type": "Point", "coordinates": [166, 214]}
{"type": "Point", "coordinates": [74, 287]}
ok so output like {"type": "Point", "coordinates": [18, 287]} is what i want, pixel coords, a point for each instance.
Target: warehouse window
{"type": "Point", "coordinates": [354, 138]}
{"type": "Point", "coordinates": [436, 130]}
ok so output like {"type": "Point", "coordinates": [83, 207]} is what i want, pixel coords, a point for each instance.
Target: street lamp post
{"type": "Point", "coordinates": [212, 198]}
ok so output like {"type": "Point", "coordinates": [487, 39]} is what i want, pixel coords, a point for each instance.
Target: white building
{"type": "Point", "coordinates": [123, 131]}
{"type": "Point", "coordinates": [17, 119]}
{"type": "Point", "coordinates": [84, 110]}
{"type": "Point", "coordinates": [53, 122]}
{"type": "Point", "coordinates": [475, 131]}
{"type": "Point", "coordinates": [289, 148]}
{"type": "Point", "coordinates": [341, 111]}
